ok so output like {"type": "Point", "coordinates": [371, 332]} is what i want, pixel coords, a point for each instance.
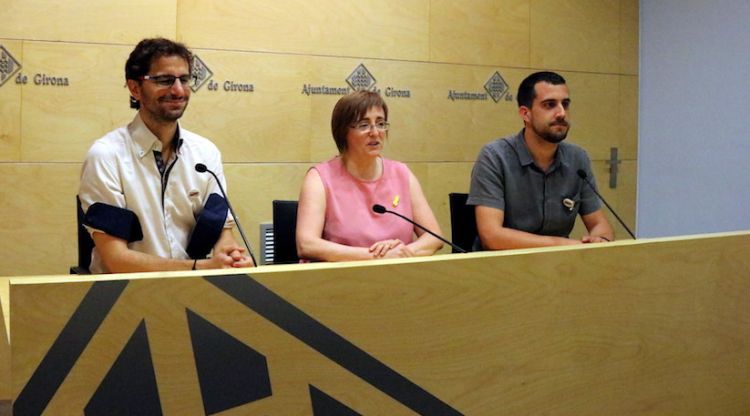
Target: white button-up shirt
{"type": "Point", "coordinates": [120, 170]}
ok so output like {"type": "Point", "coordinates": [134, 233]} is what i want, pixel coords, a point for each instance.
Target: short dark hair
{"type": "Point", "coordinates": [147, 50]}
{"type": "Point", "coordinates": [526, 91]}
{"type": "Point", "coordinates": [350, 109]}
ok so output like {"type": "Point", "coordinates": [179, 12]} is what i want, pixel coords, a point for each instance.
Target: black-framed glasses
{"type": "Point", "coordinates": [365, 126]}
{"type": "Point", "coordinates": [166, 80]}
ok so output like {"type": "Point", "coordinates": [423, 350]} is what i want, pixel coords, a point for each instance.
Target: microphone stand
{"type": "Point", "coordinates": [585, 178]}
{"type": "Point", "coordinates": [202, 168]}
{"type": "Point", "coordinates": [382, 210]}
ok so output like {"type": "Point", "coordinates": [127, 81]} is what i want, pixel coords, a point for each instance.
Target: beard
{"type": "Point", "coordinates": [166, 113]}
{"type": "Point", "coordinates": [172, 115]}
{"type": "Point", "coordinates": [551, 136]}
{"type": "Point", "coordinates": [164, 109]}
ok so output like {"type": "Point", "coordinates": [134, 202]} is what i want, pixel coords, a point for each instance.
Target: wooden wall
{"type": "Point", "coordinates": [269, 137]}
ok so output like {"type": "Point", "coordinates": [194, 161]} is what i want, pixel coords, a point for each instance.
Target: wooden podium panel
{"type": "Point", "coordinates": [635, 327]}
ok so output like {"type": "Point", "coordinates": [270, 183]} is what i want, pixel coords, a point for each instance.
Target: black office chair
{"type": "Point", "coordinates": [285, 232]}
{"type": "Point", "coordinates": [85, 244]}
{"type": "Point", "coordinates": [463, 221]}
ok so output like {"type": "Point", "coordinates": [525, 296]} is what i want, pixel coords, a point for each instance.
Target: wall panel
{"type": "Point", "coordinates": [61, 121]}
{"type": "Point", "coordinates": [10, 101]}
{"type": "Point", "coordinates": [371, 28]}
{"type": "Point", "coordinates": [627, 127]}
{"type": "Point", "coordinates": [37, 204]}
{"type": "Point", "coordinates": [485, 32]}
{"type": "Point", "coordinates": [111, 21]}
{"type": "Point", "coordinates": [629, 37]}
{"type": "Point", "coordinates": [439, 128]}
{"type": "Point", "coordinates": [594, 112]}
{"type": "Point", "coordinates": [269, 124]}
{"type": "Point", "coordinates": [578, 35]}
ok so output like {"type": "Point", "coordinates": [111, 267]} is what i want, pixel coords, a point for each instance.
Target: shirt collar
{"type": "Point", "coordinates": [519, 145]}
{"type": "Point", "coordinates": [146, 141]}
{"type": "Point", "coordinates": [525, 158]}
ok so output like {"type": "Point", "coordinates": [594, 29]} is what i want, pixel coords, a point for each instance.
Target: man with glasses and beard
{"type": "Point", "coordinates": [145, 206]}
{"type": "Point", "coordinates": [526, 188]}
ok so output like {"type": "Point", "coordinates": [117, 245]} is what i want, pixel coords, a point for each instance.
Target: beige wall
{"type": "Point", "coordinates": [270, 136]}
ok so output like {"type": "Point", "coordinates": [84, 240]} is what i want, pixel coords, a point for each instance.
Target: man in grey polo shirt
{"type": "Point", "coordinates": [525, 188]}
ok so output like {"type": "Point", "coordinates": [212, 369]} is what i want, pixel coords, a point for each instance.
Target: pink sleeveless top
{"type": "Point", "coordinates": [350, 219]}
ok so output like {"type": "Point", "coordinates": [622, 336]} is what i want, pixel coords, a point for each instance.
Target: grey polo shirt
{"type": "Point", "coordinates": [505, 177]}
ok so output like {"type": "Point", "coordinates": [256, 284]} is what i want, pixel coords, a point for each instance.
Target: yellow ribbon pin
{"type": "Point", "coordinates": [395, 201]}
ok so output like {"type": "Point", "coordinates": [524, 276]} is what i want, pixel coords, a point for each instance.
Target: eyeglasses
{"type": "Point", "coordinates": [365, 127]}
{"type": "Point", "coordinates": [166, 80]}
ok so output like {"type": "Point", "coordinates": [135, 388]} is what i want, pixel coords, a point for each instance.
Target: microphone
{"type": "Point", "coordinates": [585, 177]}
{"type": "Point", "coordinates": [379, 209]}
{"type": "Point", "coordinates": [201, 168]}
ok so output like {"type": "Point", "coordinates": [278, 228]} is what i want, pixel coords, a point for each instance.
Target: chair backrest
{"type": "Point", "coordinates": [463, 222]}
{"type": "Point", "coordinates": [85, 243]}
{"type": "Point", "coordinates": [285, 232]}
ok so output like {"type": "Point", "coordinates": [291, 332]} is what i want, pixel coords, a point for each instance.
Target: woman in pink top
{"type": "Point", "coordinates": [335, 221]}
